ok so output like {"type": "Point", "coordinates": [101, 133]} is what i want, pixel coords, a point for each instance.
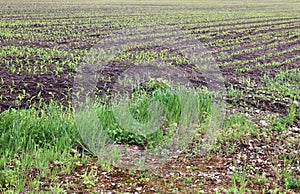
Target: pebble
{"type": "Point", "coordinates": [138, 188]}
{"type": "Point", "coordinates": [263, 123]}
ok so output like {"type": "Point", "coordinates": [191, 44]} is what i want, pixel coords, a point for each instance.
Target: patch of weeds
{"type": "Point", "coordinates": [145, 179]}
{"type": "Point", "coordinates": [25, 130]}
{"type": "Point", "coordinates": [12, 176]}
{"type": "Point", "coordinates": [35, 184]}
{"type": "Point", "coordinates": [234, 94]}
{"type": "Point", "coordinates": [261, 179]}
{"type": "Point", "coordinates": [274, 191]}
{"type": "Point", "coordinates": [14, 180]}
{"type": "Point", "coordinates": [8, 178]}
{"type": "Point", "coordinates": [291, 183]}
{"type": "Point", "coordinates": [42, 158]}
{"type": "Point", "coordinates": [239, 182]}
{"type": "Point", "coordinates": [67, 162]}
{"type": "Point", "coordinates": [285, 173]}
{"type": "Point", "coordinates": [57, 189]}
{"type": "Point", "coordinates": [152, 113]}
{"type": "Point", "coordinates": [282, 124]}
{"type": "Point", "coordinates": [188, 180]}
{"type": "Point", "coordinates": [105, 165]}
{"type": "Point", "coordinates": [90, 179]}
{"type": "Point", "coordinates": [235, 127]}
{"type": "Point", "coordinates": [284, 84]}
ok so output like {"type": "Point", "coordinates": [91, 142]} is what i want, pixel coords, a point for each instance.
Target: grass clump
{"type": "Point", "coordinates": [31, 139]}
{"type": "Point", "coordinates": [152, 113]}
{"type": "Point", "coordinates": [282, 124]}
{"type": "Point", "coordinates": [24, 130]}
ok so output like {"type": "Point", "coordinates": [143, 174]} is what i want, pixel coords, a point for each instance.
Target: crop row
{"type": "Point", "coordinates": [53, 41]}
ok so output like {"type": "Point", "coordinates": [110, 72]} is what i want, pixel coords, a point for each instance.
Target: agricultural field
{"type": "Point", "coordinates": [254, 49]}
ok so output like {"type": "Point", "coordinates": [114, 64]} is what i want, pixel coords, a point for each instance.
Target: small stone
{"type": "Point", "coordinates": [259, 160]}
{"type": "Point", "coordinates": [138, 188]}
{"type": "Point", "coordinates": [263, 123]}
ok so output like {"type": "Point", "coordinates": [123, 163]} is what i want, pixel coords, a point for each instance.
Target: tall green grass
{"type": "Point", "coordinates": [148, 115]}
{"type": "Point", "coordinates": [25, 130]}
{"type": "Point", "coordinates": [32, 138]}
